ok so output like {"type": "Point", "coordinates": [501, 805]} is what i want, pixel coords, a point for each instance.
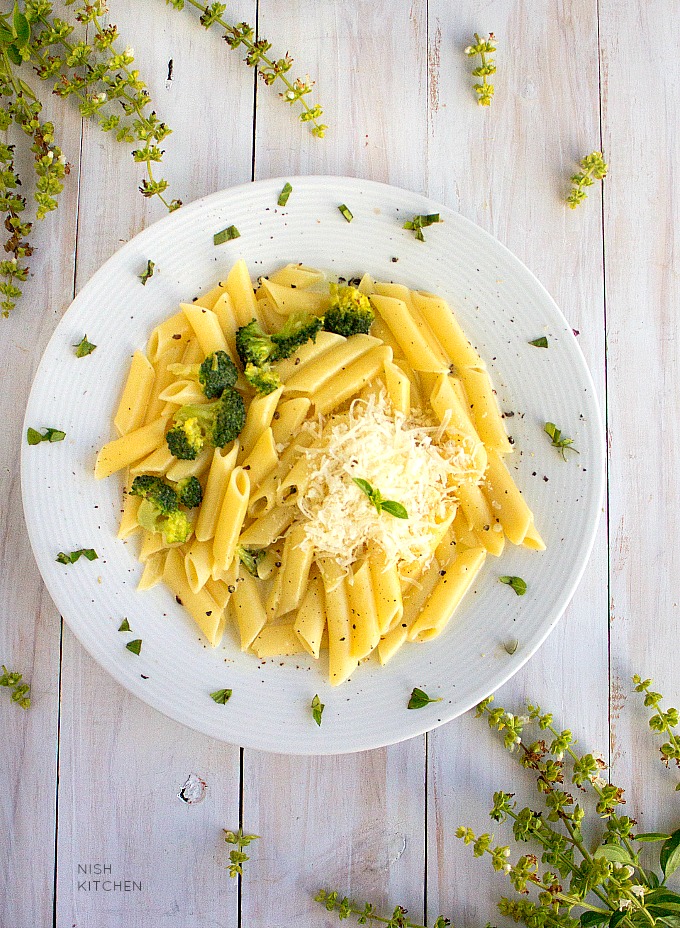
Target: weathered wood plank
{"type": "Point", "coordinates": [354, 823]}
{"type": "Point", "coordinates": [29, 624]}
{"type": "Point", "coordinates": [507, 168]}
{"type": "Point", "coordinates": [642, 213]}
{"type": "Point", "coordinates": [122, 764]}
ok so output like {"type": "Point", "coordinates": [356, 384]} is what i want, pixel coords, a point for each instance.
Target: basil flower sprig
{"type": "Point", "coordinates": [270, 69]}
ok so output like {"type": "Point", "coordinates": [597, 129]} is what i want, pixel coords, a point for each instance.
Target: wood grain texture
{"type": "Point", "coordinates": [355, 823]}
{"type": "Point", "coordinates": [122, 765]}
{"type": "Point", "coordinates": [29, 624]}
{"type": "Point", "coordinates": [642, 214]}
{"type": "Point", "coordinates": [507, 168]}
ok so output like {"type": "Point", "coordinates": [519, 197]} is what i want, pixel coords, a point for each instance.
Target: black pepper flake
{"type": "Point", "coordinates": [231, 588]}
{"type": "Point", "coordinates": [178, 600]}
{"type": "Point", "coordinates": [177, 336]}
{"type": "Point", "coordinates": [546, 479]}
{"type": "Point", "coordinates": [209, 613]}
{"type": "Point", "coordinates": [394, 260]}
{"type": "Point", "coordinates": [442, 573]}
{"type": "Point", "coordinates": [143, 676]}
{"type": "Point", "coordinates": [297, 361]}
{"type": "Point", "coordinates": [277, 564]}
{"type": "Point", "coordinates": [277, 415]}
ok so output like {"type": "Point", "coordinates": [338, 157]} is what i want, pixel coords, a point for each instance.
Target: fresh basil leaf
{"type": "Point", "coordinates": [669, 858]}
{"type": "Point", "coordinates": [395, 509]}
{"type": "Point", "coordinates": [285, 193]}
{"type": "Point", "coordinates": [83, 348]}
{"type": "Point", "coordinates": [616, 918]}
{"type": "Point", "coordinates": [346, 212]}
{"type": "Point", "coordinates": [419, 699]}
{"type": "Point", "coordinates": [148, 273]}
{"type": "Point", "coordinates": [364, 485]}
{"type": "Point", "coordinates": [134, 646]}
{"type": "Point", "coordinates": [317, 709]}
{"type": "Point", "coordinates": [221, 697]}
{"type": "Point", "coordinates": [614, 854]}
{"type": "Point", "coordinates": [22, 29]}
{"type": "Point", "coordinates": [124, 626]}
{"type": "Point", "coordinates": [13, 55]}
{"type": "Point", "coordinates": [588, 919]}
{"type": "Point", "coordinates": [541, 342]}
{"type": "Point", "coordinates": [652, 836]}
{"type": "Point", "coordinates": [518, 585]}
{"type": "Point", "coordinates": [226, 235]}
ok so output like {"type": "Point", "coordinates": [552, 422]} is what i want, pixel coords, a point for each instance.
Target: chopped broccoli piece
{"type": "Point", "coordinates": [215, 424]}
{"type": "Point", "coordinates": [190, 492]}
{"type": "Point", "coordinates": [297, 329]}
{"type": "Point", "coordinates": [350, 312]}
{"type": "Point", "coordinates": [263, 379]}
{"type": "Point", "coordinates": [253, 345]}
{"type": "Point", "coordinates": [157, 491]}
{"type": "Point", "coordinates": [250, 558]}
{"type": "Point", "coordinates": [217, 373]}
{"type": "Point", "coordinates": [175, 527]}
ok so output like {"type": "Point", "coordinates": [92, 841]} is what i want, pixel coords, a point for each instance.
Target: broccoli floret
{"type": "Point", "coordinates": [189, 492]}
{"type": "Point", "coordinates": [217, 373]}
{"type": "Point", "coordinates": [215, 424]}
{"type": "Point", "coordinates": [156, 491]}
{"type": "Point", "coordinates": [250, 558]}
{"type": "Point", "coordinates": [175, 526]}
{"type": "Point", "coordinates": [350, 312]}
{"type": "Point", "coordinates": [298, 329]}
{"type": "Point", "coordinates": [263, 379]}
{"type": "Point", "coordinates": [253, 345]}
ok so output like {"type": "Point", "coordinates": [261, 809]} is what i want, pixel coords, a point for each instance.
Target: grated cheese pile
{"type": "Point", "coordinates": [404, 458]}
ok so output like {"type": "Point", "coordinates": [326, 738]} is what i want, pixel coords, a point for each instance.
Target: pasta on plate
{"type": "Point", "coordinates": [321, 465]}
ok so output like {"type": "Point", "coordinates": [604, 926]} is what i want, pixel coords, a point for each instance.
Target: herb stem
{"type": "Point", "coordinates": [311, 113]}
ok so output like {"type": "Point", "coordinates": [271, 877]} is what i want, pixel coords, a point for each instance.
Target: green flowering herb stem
{"type": "Point", "coordinates": [664, 722]}
{"type": "Point", "coordinates": [269, 69]}
{"type": "Point", "coordinates": [333, 902]}
{"type": "Point", "coordinates": [237, 857]}
{"type": "Point", "coordinates": [558, 440]}
{"type": "Point", "coordinates": [20, 691]}
{"type": "Point", "coordinates": [375, 497]}
{"type": "Point", "coordinates": [593, 167]}
{"type": "Point", "coordinates": [484, 48]}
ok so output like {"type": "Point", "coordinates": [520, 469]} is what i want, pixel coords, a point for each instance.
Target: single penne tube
{"type": "Point", "coordinates": [318, 372]}
{"type": "Point", "coordinates": [340, 661]}
{"type": "Point", "coordinates": [439, 316]}
{"type": "Point", "coordinates": [296, 562]}
{"type": "Point", "coordinates": [258, 418]}
{"type": "Point", "coordinates": [208, 300]}
{"type": "Point", "coordinates": [239, 286]}
{"type": "Point", "coordinates": [323, 342]}
{"type": "Point", "coordinates": [219, 590]}
{"type": "Point", "coordinates": [456, 421]}
{"type": "Point", "coordinates": [480, 518]}
{"type": "Point", "coordinates": [448, 592]}
{"type": "Point", "coordinates": [484, 408]}
{"type": "Point", "coordinates": [153, 571]}
{"type": "Point", "coordinates": [183, 393]}
{"type": "Point", "coordinates": [387, 591]}
{"type": "Point", "coordinates": [157, 462]}
{"type": "Point", "coordinates": [277, 641]}
{"type": "Point", "coordinates": [163, 377]}
{"type": "Point", "coordinates": [463, 535]}
{"type": "Point", "coordinates": [271, 319]}
{"type": "Point", "coordinates": [507, 502]}
{"type": "Point", "coordinates": [405, 330]}
{"type": "Point", "coordinates": [366, 285]}
{"type": "Point", "coordinates": [226, 316]}
{"type": "Point", "coordinates": [222, 464]}
{"type": "Point", "coordinates": [198, 563]}
{"type": "Point", "coordinates": [295, 482]}
{"type": "Point", "coordinates": [201, 606]}
{"type": "Point", "coordinates": [248, 610]}
{"type": "Point", "coordinates": [207, 328]}
{"type": "Point", "coordinates": [289, 300]}
{"type": "Point", "coordinates": [400, 292]}
{"type": "Point", "coordinates": [192, 353]}
{"type": "Point", "coordinates": [128, 524]}
{"type": "Point", "coordinates": [350, 381]}
{"type": "Point", "coordinates": [180, 469]}
{"type": "Point", "coordinates": [123, 451]}
{"type": "Point", "coordinates": [532, 539]}
{"type": "Point", "coordinates": [265, 496]}
{"type": "Point", "coordinates": [297, 275]}
{"type": "Point", "coordinates": [230, 520]}
{"type": "Point", "coordinates": [391, 642]}
{"type": "Point", "coordinates": [135, 397]}
{"type": "Point", "coordinates": [310, 619]}
{"type": "Point", "coordinates": [262, 459]}
{"type": "Point", "coordinates": [173, 333]}
{"type": "Point", "coordinates": [398, 388]}
{"type": "Point", "coordinates": [152, 543]}
{"type": "Point", "coordinates": [265, 530]}
{"type": "Point", "coordinates": [289, 416]}
{"type": "Point", "coordinates": [365, 632]}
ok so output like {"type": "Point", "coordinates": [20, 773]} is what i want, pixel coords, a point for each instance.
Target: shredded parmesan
{"type": "Point", "coordinates": [405, 458]}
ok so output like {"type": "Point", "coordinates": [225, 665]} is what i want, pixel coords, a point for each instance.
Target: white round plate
{"type": "Point", "coordinates": [501, 306]}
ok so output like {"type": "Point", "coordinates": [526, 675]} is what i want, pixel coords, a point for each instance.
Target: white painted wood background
{"type": "Point", "coordinates": [90, 774]}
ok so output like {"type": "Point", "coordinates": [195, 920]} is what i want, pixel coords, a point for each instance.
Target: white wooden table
{"type": "Point", "coordinates": [90, 775]}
